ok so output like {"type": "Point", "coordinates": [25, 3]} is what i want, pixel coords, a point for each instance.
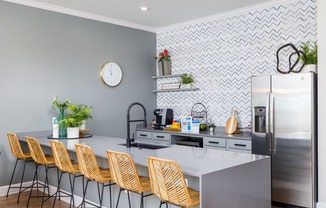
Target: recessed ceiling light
{"type": "Point", "coordinates": [143, 9]}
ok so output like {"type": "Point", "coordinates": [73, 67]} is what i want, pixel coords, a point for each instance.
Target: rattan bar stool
{"type": "Point", "coordinates": [88, 166]}
{"type": "Point", "coordinates": [40, 159]}
{"type": "Point", "coordinates": [20, 155]}
{"type": "Point", "coordinates": [168, 183]}
{"type": "Point", "coordinates": [63, 162]}
{"type": "Point", "coordinates": [125, 175]}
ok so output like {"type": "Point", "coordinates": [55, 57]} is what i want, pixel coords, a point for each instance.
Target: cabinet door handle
{"type": "Point", "coordinates": [162, 137]}
{"type": "Point", "coordinates": [240, 145]}
{"type": "Point", "coordinates": [213, 142]}
{"type": "Point", "coordinates": [144, 135]}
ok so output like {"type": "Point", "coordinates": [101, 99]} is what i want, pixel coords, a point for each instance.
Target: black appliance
{"type": "Point", "coordinates": [164, 116]}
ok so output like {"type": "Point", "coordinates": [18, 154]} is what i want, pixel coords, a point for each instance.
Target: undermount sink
{"type": "Point", "coordinates": [146, 146]}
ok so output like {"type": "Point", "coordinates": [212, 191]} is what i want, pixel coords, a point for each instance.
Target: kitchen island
{"type": "Point", "coordinates": [225, 179]}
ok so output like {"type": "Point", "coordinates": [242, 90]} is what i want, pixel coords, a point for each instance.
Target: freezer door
{"type": "Point", "coordinates": [293, 157]}
{"type": "Point", "coordinates": [260, 90]}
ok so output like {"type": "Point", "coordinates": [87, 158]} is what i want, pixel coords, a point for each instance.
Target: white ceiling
{"type": "Point", "coordinates": [162, 13]}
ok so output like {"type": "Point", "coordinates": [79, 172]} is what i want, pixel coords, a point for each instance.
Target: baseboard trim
{"type": "Point", "coordinates": [53, 189]}
{"type": "Point", "coordinates": [4, 189]}
{"type": "Point", "coordinates": [321, 205]}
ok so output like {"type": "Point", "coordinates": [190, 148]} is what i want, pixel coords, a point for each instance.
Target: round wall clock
{"type": "Point", "coordinates": [111, 74]}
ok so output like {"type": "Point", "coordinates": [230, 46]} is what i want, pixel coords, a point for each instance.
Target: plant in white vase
{"type": "Point", "coordinates": [78, 114]}
{"type": "Point", "coordinates": [187, 80]}
{"type": "Point", "coordinates": [310, 57]}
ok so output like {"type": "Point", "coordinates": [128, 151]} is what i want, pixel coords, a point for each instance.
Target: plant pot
{"type": "Point", "coordinates": [309, 68]}
{"type": "Point", "coordinates": [187, 86]}
{"type": "Point", "coordinates": [211, 129]}
{"type": "Point", "coordinates": [73, 132]}
{"type": "Point", "coordinates": [167, 67]}
{"type": "Point", "coordinates": [160, 68]}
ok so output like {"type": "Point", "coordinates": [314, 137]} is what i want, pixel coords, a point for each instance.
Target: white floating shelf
{"type": "Point", "coordinates": [177, 90]}
{"type": "Point", "coordinates": [167, 76]}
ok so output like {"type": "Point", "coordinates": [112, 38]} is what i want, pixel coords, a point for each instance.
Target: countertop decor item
{"type": "Point", "coordinates": [309, 57]}
{"type": "Point", "coordinates": [111, 74]}
{"type": "Point", "coordinates": [187, 80]}
{"type": "Point", "coordinates": [164, 63]}
{"type": "Point", "coordinates": [231, 123]}
{"type": "Point", "coordinates": [211, 126]}
{"type": "Point", "coordinates": [199, 111]}
{"type": "Point", "coordinates": [74, 119]}
{"type": "Point", "coordinates": [62, 106]}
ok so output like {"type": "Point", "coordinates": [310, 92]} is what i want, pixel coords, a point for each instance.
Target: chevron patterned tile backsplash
{"type": "Point", "coordinates": [223, 53]}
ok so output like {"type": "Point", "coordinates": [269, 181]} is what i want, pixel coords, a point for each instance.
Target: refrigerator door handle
{"type": "Point", "coordinates": [271, 121]}
{"type": "Point", "coordinates": [267, 122]}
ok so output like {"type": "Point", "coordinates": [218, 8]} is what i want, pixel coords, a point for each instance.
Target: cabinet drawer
{"type": "Point", "coordinates": [239, 144]}
{"type": "Point", "coordinates": [214, 147]}
{"type": "Point", "coordinates": [214, 142]}
{"type": "Point", "coordinates": [144, 135]}
{"type": "Point", "coordinates": [161, 136]}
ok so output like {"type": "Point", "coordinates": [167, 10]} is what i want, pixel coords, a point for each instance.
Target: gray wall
{"type": "Point", "coordinates": [45, 54]}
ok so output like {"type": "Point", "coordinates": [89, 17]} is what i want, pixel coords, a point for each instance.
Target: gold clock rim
{"type": "Point", "coordinates": [101, 73]}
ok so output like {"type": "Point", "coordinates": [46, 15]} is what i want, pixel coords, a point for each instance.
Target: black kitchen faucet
{"type": "Point", "coordinates": [129, 140]}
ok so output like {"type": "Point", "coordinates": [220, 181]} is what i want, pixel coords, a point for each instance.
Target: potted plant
{"type": "Point", "coordinates": [164, 63]}
{"type": "Point", "coordinates": [211, 127]}
{"type": "Point", "coordinates": [62, 106]}
{"type": "Point", "coordinates": [187, 80]}
{"type": "Point", "coordinates": [77, 115]}
{"type": "Point", "coordinates": [84, 112]}
{"type": "Point", "coordinates": [310, 57]}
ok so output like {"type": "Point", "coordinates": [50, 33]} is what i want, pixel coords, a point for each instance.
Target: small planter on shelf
{"type": "Point", "coordinates": [164, 63]}
{"type": "Point", "coordinates": [187, 81]}
{"type": "Point", "coordinates": [309, 57]}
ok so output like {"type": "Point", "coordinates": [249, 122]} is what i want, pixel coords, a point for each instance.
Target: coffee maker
{"type": "Point", "coordinates": [164, 116]}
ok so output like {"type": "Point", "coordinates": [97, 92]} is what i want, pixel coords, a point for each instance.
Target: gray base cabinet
{"type": "Point", "coordinates": [235, 145]}
{"type": "Point", "coordinates": [153, 137]}
{"type": "Point", "coordinates": [167, 138]}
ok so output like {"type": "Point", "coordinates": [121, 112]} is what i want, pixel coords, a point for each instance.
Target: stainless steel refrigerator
{"type": "Point", "coordinates": [284, 127]}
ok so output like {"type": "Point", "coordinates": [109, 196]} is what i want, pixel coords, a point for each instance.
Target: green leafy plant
{"type": "Point", "coordinates": [77, 114]}
{"type": "Point", "coordinates": [61, 105]}
{"type": "Point", "coordinates": [187, 79]}
{"type": "Point", "coordinates": [310, 53]}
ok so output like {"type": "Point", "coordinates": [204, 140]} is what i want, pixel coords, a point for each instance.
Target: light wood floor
{"type": "Point", "coordinates": [11, 201]}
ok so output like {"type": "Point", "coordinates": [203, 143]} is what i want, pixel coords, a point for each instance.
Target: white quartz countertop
{"type": "Point", "coordinates": [193, 161]}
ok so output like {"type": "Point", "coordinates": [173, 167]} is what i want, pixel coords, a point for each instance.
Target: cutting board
{"type": "Point", "coordinates": [231, 123]}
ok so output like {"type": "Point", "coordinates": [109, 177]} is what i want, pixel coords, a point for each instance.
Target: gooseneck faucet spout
{"type": "Point", "coordinates": [129, 140]}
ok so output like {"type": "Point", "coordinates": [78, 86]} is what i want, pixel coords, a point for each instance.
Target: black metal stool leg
{"type": "Point", "coordinates": [142, 200]}
{"type": "Point", "coordinates": [72, 184]}
{"type": "Point", "coordinates": [45, 184]}
{"type": "Point", "coordinates": [129, 199]}
{"type": "Point", "coordinates": [58, 189]}
{"type": "Point", "coordinates": [110, 184]}
{"type": "Point", "coordinates": [12, 176]}
{"type": "Point", "coordinates": [119, 197]}
{"type": "Point", "coordinates": [35, 177]}
{"type": "Point", "coordinates": [21, 181]}
{"type": "Point", "coordinates": [101, 197]}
